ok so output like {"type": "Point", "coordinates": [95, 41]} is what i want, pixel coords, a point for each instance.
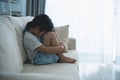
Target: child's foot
{"type": "Point", "coordinates": [67, 60]}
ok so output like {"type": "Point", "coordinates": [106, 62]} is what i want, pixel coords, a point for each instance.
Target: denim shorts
{"type": "Point", "coordinates": [45, 58]}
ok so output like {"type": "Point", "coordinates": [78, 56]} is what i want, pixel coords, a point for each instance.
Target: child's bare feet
{"type": "Point", "coordinates": [67, 60]}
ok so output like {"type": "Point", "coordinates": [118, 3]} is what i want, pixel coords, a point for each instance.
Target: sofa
{"type": "Point", "coordinates": [13, 58]}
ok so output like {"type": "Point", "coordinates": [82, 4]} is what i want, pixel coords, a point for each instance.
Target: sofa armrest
{"type": "Point", "coordinates": [71, 43]}
{"type": "Point", "coordinates": [33, 76]}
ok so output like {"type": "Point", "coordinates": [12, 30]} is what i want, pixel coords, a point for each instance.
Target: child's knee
{"type": "Point", "coordinates": [50, 34]}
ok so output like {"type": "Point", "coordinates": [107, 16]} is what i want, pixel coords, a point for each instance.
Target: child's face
{"type": "Point", "coordinates": [37, 32]}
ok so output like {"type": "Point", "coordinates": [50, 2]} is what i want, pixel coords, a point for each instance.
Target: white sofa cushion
{"type": "Point", "coordinates": [10, 56]}
{"type": "Point", "coordinates": [35, 76]}
{"type": "Point", "coordinates": [64, 69]}
{"type": "Point", "coordinates": [19, 23]}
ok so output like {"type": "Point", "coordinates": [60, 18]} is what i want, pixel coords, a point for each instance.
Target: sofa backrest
{"type": "Point", "coordinates": [19, 23]}
{"type": "Point", "coordinates": [10, 55]}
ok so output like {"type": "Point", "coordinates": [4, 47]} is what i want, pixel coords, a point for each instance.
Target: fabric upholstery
{"type": "Point", "coordinates": [56, 68]}
{"type": "Point", "coordinates": [71, 43]}
{"type": "Point", "coordinates": [63, 33]}
{"type": "Point", "coordinates": [10, 56]}
{"type": "Point", "coordinates": [19, 23]}
{"type": "Point", "coordinates": [35, 76]}
{"type": "Point", "coordinates": [67, 71]}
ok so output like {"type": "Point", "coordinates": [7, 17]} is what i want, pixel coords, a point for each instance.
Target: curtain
{"type": "Point", "coordinates": [117, 26]}
{"type": "Point", "coordinates": [91, 23]}
{"type": "Point", "coordinates": [35, 7]}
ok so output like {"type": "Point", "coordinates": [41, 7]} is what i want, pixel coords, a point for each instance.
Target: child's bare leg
{"type": "Point", "coordinates": [51, 39]}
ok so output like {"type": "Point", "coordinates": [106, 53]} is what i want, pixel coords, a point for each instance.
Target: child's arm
{"type": "Point", "coordinates": [58, 49]}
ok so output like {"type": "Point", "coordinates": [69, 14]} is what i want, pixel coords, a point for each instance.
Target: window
{"type": "Point", "coordinates": [92, 23]}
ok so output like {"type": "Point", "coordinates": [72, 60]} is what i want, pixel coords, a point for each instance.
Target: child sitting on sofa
{"type": "Point", "coordinates": [42, 44]}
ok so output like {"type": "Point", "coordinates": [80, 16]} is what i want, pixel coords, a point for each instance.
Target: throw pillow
{"type": "Point", "coordinates": [63, 32]}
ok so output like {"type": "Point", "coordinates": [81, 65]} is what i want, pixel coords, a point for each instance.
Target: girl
{"type": "Point", "coordinates": [42, 44]}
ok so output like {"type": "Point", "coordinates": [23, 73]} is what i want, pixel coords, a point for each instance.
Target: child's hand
{"type": "Point", "coordinates": [62, 44]}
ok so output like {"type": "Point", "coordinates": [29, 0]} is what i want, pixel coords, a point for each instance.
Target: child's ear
{"type": "Point", "coordinates": [37, 28]}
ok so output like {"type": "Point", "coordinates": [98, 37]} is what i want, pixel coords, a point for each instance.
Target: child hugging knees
{"type": "Point", "coordinates": [42, 44]}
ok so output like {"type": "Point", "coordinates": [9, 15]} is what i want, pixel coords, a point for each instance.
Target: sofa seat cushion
{"type": "Point", "coordinates": [34, 76]}
{"type": "Point", "coordinates": [65, 69]}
